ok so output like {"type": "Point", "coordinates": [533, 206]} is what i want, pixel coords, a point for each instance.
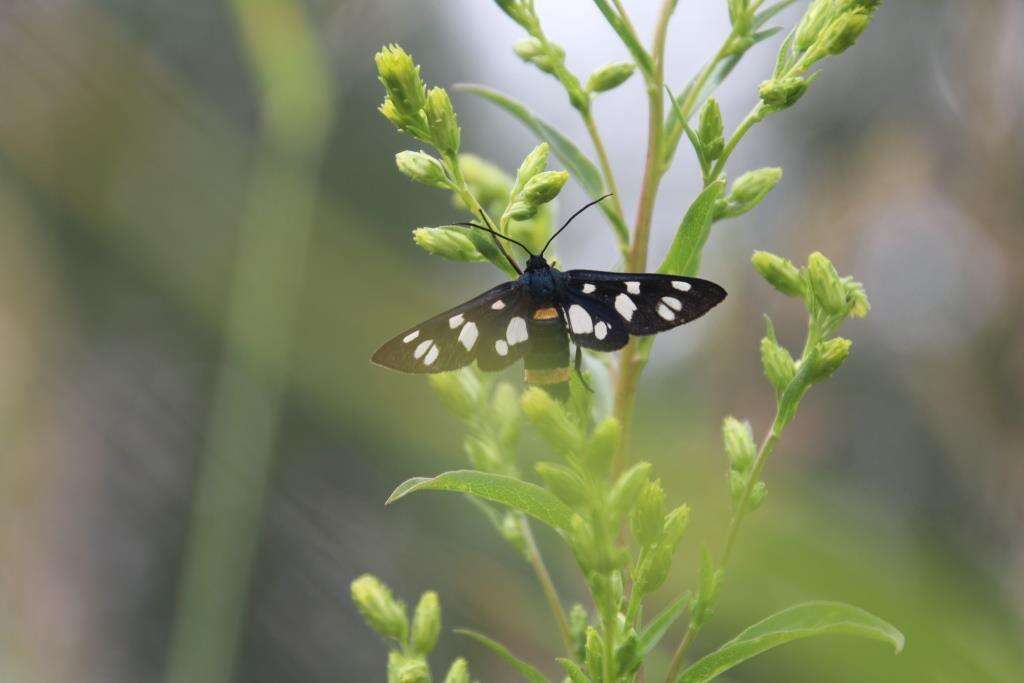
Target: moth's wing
{"type": "Point", "coordinates": [593, 323]}
{"type": "Point", "coordinates": [646, 303]}
{"type": "Point", "coordinates": [463, 334]}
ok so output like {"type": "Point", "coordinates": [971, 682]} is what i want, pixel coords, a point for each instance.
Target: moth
{"type": "Point", "coordinates": [535, 316]}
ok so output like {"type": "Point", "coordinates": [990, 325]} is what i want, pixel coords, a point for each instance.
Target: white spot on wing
{"type": "Point", "coordinates": [625, 306]}
{"type": "Point", "coordinates": [516, 331]}
{"type": "Point", "coordinates": [588, 288]}
{"type": "Point", "coordinates": [456, 320]}
{"type": "Point", "coordinates": [468, 335]}
{"type": "Point", "coordinates": [666, 312]}
{"type": "Point", "coordinates": [422, 348]}
{"type": "Point", "coordinates": [431, 355]}
{"type": "Point", "coordinates": [580, 320]}
{"type": "Point", "coordinates": [633, 287]}
{"type": "Point", "coordinates": [501, 347]}
{"type": "Point", "coordinates": [681, 286]}
{"type": "Point", "coordinates": [601, 330]}
{"type": "Point", "coordinates": [672, 302]}
{"type": "Point", "coordinates": [499, 304]}
{"type": "Point", "coordinates": [412, 335]}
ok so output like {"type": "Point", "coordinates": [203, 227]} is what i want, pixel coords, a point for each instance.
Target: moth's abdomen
{"type": "Point", "coordinates": [547, 362]}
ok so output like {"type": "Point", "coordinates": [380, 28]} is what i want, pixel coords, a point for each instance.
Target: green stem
{"type": "Point", "coordinates": [475, 208]}
{"type": "Point", "coordinates": [606, 167]}
{"type": "Point", "coordinates": [547, 585]}
{"type": "Point", "coordinates": [608, 660]}
{"type": "Point", "coordinates": [755, 115]}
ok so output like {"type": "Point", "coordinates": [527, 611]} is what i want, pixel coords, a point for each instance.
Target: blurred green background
{"type": "Point", "coordinates": [203, 238]}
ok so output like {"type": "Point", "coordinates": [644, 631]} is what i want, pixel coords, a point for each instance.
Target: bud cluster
{"type": "Point", "coordinates": [747, 192]}
{"type": "Point", "coordinates": [738, 439]}
{"type": "Point", "coordinates": [387, 616]}
{"type": "Point", "coordinates": [534, 187]}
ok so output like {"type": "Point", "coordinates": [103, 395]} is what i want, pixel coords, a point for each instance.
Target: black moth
{"type": "Point", "coordinates": [535, 316]}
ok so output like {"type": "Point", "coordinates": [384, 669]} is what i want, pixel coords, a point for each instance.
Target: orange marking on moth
{"type": "Point", "coordinates": [545, 314]}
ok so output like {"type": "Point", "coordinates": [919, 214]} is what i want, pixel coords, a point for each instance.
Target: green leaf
{"type": "Point", "coordinates": [581, 168]}
{"type": "Point", "coordinates": [528, 671]}
{"type": "Point", "coordinates": [575, 673]}
{"type": "Point", "coordinates": [683, 256]}
{"type": "Point", "coordinates": [762, 17]}
{"type": "Point", "coordinates": [785, 56]}
{"type": "Point", "coordinates": [521, 495]}
{"type": "Point", "coordinates": [643, 60]}
{"type": "Point", "coordinates": [653, 633]}
{"type": "Point", "coordinates": [799, 621]}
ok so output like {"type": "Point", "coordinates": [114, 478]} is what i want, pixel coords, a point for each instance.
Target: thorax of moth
{"type": "Point", "coordinates": [543, 282]}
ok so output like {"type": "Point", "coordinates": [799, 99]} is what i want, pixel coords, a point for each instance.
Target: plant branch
{"type": "Point", "coordinates": [602, 157]}
{"type": "Point", "coordinates": [546, 584]}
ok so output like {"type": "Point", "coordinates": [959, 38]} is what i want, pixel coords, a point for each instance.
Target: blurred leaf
{"type": "Point", "coordinates": [529, 672]}
{"type": "Point", "coordinates": [575, 673]}
{"type": "Point", "coordinates": [653, 633]}
{"type": "Point", "coordinates": [799, 621]}
{"type": "Point", "coordinates": [521, 495]}
{"type": "Point", "coordinates": [683, 256]}
{"type": "Point", "coordinates": [762, 17]}
{"type": "Point", "coordinates": [581, 168]}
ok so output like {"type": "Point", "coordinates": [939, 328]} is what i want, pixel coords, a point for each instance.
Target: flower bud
{"type": "Point", "coordinates": [676, 523]}
{"type": "Point", "coordinates": [648, 518]}
{"type": "Point", "coordinates": [447, 242]}
{"type": "Point", "coordinates": [625, 491]}
{"type": "Point", "coordinates": [460, 391]}
{"type": "Point", "coordinates": [382, 612]}
{"type": "Point", "coordinates": [843, 32]}
{"type": "Point", "coordinates": [828, 289]}
{"type": "Point", "coordinates": [422, 168]}
{"type": "Point", "coordinates": [595, 654]}
{"type": "Point", "coordinates": [426, 624]}
{"type": "Point", "coordinates": [405, 669]}
{"type": "Point", "coordinates": [779, 366]}
{"type": "Point", "coordinates": [534, 162]}
{"type": "Point", "coordinates": [598, 454]}
{"type": "Point", "coordinates": [401, 79]}
{"type": "Point", "coordinates": [610, 76]}
{"type": "Point", "coordinates": [654, 569]}
{"type": "Point", "coordinates": [521, 211]}
{"type": "Point", "coordinates": [751, 187]}
{"type": "Point", "coordinates": [578, 623]}
{"type": "Point", "coordinates": [583, 544]}
{"type": "Point", "coordinates": [391, 113]}
{"type": "Point", "coordinates": [856, 297]}
{"type": "Point", "coordinates": [737, 485]}
{"type": "Point", "coordinates": [442, 122]}
{"type": "Point", "coordinates": [817, 16]}
{"type": "Point", "coordinates": [543, 187]}
{"type": "Point", "coordinates": [779, 93]}
{"type": "Point", "coordinates": [551, 420]}
{"type": "Point", "coordinates": [739, 443]}
{"type": "Point", "coordinates": [829, 357]}
{"type": "Point", "coordinates": [757, 495]}
{"type": "Point", "coordinates": [458, 673]}
{"type": "Point", "coordinates": [564, 483]}
{"type": "Point", "coordinates": [710, 130]}
{"type": "Point", "coordinates": [779, 272]}
{"type": "Point", "coordinates": [532, 50]}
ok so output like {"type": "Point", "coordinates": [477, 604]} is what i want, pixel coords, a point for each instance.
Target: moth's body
{"type": "Point", "coordinates": [536, 316]}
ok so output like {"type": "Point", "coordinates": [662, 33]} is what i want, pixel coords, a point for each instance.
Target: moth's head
{"type": "Point", "coordinates": [536, 262]}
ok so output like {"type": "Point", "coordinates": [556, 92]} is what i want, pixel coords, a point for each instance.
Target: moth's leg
{"type": "Point", "coordinates": [578, 361]}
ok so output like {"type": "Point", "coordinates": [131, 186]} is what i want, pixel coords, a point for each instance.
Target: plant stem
{"type": "Point", "coordinates": [755, 115]}
{"type": "Point", "coordinates": [602, 157]}
{"type": "Point", "coordinates": [767, 447]}
{"type": "Point", "coordinates": [636, 260]}
{"type": "Point", "coordinates": [546, 584]}
{"type": "Point", "coordinates": [608, 660]}
{"type": "Point", "coordinates": [474, 206]}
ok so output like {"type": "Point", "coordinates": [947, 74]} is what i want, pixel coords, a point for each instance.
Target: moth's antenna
{"type": "Point", "coordinates": [566, 224]}
{"type": "Point", "coordinates": [500, 248]}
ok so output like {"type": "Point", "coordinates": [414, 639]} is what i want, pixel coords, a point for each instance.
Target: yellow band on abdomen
{"type": "Point", "coordinates": [549, 376]}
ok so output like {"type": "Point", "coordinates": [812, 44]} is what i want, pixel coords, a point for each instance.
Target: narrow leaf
{"type": "Point", "coordinates": [574, 672]}
{"type": "Point", "coordinates": [782, 61]}
{"type": "Point", "coordinates": [581, 168]}
{"type": "Point", "coordinates": [762, 17]}
{"type": "Point", "coordinates": [528, 671]}
{"type": "Point", "coordinates": [653, 633]}
{"type": "Point", "coordinates": [640, 55]}
{"type": "Point", "coordinates": [521, 495]}
{"type": "Point", "coordinates": [799, 621]}
{"type": "Point", "coordinates": [683, 256]}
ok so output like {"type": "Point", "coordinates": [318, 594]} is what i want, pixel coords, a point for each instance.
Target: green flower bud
{"type": "Point", "coordinates": [426, 624]}
{"type": "Point", "coordinates": [543, 187]}
{"type": "Point", "coordinates": [757, 495]}
{"type": "Point", "coordinates": [535, 162]}
{"type": "Point", "coordinates": [551, 420]}
{"type": "Point", "coordinates": [648, 518]}
{"type": "Point", "coordinates": [447, 242]}
{"type": "Point", "coordinates": [578, 623]}
{"type": "Point", "coordinates": [460, 391]}
{"type": "Point", "coordinates": [625, 491]}
{"type": "Point", "coordinates": [422, 168]}
{"type": "Point", "coordinates": [598, 454]}
{"type": "Point", "coordinates": [594, 654]}
{"type": "Point", "coordinates": [607, 591]}
{"type": "Point", "coordinates": [676, 523]}
{"type": "Point", "coordinates": [779, 93]}
{"type": "Point", "coordinates": [829, 357]}
{"type": "Point", "coordinates": [401, 79]}
{"type": "Point", "coordinates": [856, 297]}
{"type": "Point", "coordinates": [583, 544]}
{"type": "Point", "coordinates": [458, 673]}
{"type": "Point", "coordinates": [817, 16]}
{"type": "Point", "coordinates": [564, 483]}
{"type": "Point", "coordinates": [382, 612]}
{"type": "Point", "coordinates": [521, 211]}
{"type": "Point", "coordinates": [779, 272]}
{"type": "Point", "coordinates": [828, 289]}
{"type": "Point", "coordinates": [654, 569]}
{"type": "Point", "coordinates": [488, 183]}
{"type": "Point", "coordinates": [739, 443]}
{"type": "Point", "coordinates": [737, 485]}
{"type": "Point", "coordinates": [707, 593]}
{"type": "Point", "coordinates": [532, 50]}
{"type": "Point", "coordinates": [779, 366]}
{"type": "Point", "coordinates": [405, 669]}
{"type": "Point", "coordinates": [627, 654]}
{"type": "Point", "coordinates": [843, 32]}
{"type": "Point", "coordinates": [751, 187]}
{"type": "Point", "coordinates": [391, 113]}
{"type": "Point", "coordinates": [710, 131]}
{"type": "Point", "coordinates": [610, 76]}
{"type": "Point", "coordinates": [441, 119]}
